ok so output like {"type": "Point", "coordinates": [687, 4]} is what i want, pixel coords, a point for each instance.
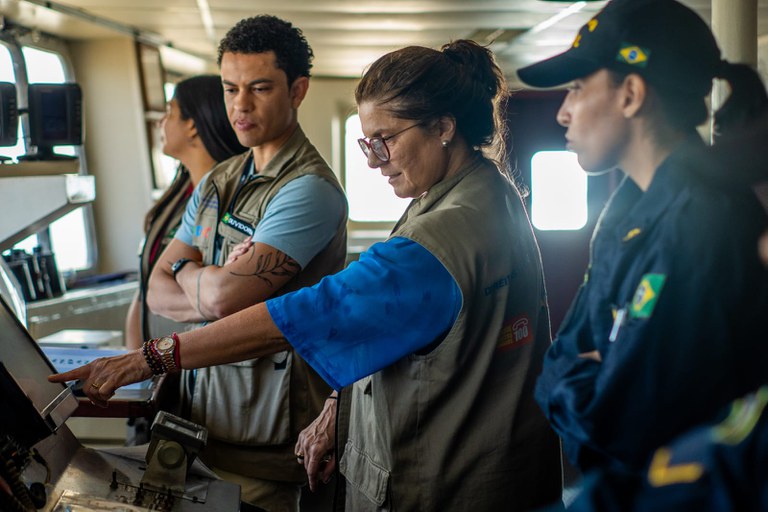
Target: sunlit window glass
{"type": "Point", "coordinates": [6, 65]}
{"type": "Point", "coordinates": [558, 191]}
{"type": "Point", "coordinates": [164, 166]}
{"type": "Point", "coordinates": [68, 241]}
{"type": "Point", "coordinates": [43, 67]}
{"type": "Point", "coordinates": [371, 198]}
{"type": "Point", "coordinates": [170, 90]}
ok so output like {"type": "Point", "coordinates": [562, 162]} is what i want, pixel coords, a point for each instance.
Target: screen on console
{"type": "Point", "coordinates": [55, 114]}
{"type": "Point", "coordinates": [55, 125]}
{"type": "Point", "coordinates": [28, 369]}
{"type": "Point", "coordinates": [9, 114]}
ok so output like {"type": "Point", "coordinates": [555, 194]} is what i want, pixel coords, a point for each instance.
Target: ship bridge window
{"type": "Point", "coordinates": [164, 166]}
{"type": "Point", "coordinates": [68, 236]}
{"type": "Point", "coordinates": [558, 191]}
{"type": "Point", "coordinates": [370, 197]}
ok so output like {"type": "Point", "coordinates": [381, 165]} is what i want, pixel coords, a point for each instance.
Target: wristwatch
{"type": "Point", "coordinates": [165, 347]}
{"type": "Point", "coordinates": [178, 265]}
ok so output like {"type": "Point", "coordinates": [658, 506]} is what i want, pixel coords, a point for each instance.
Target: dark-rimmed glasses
{"type": "Point", "coordinates": [378, 145]}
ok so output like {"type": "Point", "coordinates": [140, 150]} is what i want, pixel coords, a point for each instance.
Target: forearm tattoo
{"type": "Point", "coordinates": [270, 265]}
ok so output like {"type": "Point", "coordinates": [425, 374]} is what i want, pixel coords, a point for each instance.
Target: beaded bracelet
{"type": "Point", "coordinates": [152, 358]}
{"type": "Point", "coordinates": [177, 351]}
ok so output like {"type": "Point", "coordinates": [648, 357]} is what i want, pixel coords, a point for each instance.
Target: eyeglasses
{"type": "Point", "coordinates": [378, 145]}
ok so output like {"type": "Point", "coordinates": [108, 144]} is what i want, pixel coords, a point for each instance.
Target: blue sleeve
{"type": "Point", "coordinates": [187, 226]}
{"type": "Point", "coordinates": [302, 218]}
{"type": "Point", "coordinates": [396, 300]}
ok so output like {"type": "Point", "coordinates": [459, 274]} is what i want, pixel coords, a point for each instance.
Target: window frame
{"type": "Point", "coordinates": [150, 64]}
{"type": "Point", "coordinates": [15, 39]}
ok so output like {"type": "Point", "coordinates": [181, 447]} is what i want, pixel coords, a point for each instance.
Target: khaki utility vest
{"type": "Point", "coordinates": [255, 409]}
{"type": "Point", "coordinates": [456, 427]}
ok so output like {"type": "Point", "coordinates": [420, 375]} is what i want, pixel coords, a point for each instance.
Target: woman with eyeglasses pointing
{"type": "Point", "coordinates": [438, 333]}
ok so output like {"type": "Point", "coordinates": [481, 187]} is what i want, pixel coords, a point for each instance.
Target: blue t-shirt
{"type": "Point", "coordinates": [300, 220]}
{"type": "Point", "coordinates": [396, 300]}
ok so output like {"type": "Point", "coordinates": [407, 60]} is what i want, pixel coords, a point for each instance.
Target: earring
{"type": "Point", "coordinates": [444, 143]}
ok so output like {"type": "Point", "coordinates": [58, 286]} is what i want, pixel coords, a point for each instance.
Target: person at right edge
{"type": "Point", "coordinates": [668, 326]}
{"type": "Point", "coordinates": [720, 465]}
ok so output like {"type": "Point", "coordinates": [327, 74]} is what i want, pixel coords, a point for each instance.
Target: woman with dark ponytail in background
{"type": "Point", "coordinates": [669, 325]}
{"type": "Point", "coordinates": [195, 131]}
{"type": "Point", "coordinates": [438, 332]}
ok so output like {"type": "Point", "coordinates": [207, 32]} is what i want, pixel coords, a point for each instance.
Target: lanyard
{"type": "Point", "coordinates": [249, 172]}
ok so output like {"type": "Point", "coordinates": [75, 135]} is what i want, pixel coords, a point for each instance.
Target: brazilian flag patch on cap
{"type": "Point", "coordinates": [646, 295]}
{"type": "Point", "coordinates": [633, 55]}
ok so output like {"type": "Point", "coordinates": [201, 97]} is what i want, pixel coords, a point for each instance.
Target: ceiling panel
{"type": "Point", "coordinates": [346, 35]}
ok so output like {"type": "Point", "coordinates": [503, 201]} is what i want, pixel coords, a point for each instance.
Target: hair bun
{"type": "Point", "coordinates": [476, 60]}
{"type": "Point", "coordinates": [456, 51]}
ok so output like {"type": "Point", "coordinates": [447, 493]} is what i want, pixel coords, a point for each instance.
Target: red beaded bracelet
{"type": "Point", "coordinates": [177, 351]}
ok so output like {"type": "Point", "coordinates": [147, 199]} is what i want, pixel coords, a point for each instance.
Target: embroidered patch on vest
{"type": "Point", "coordinates": [515, 333]}
{"type": "Point", "coordinates": [235, 223]}
{"type": "Point", "coordinates": [646, 295]}
{"type": "Point", "coordinates": [199, 231]}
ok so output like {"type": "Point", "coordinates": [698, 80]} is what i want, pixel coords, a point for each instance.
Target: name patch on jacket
{"type": "Point", "coordinates": [237, 224]}
{"type": "Point", "coordinates": [515, 333]}
{"type": "Point", "coordinates": [501, 283]}
{"type": "Point", "coordinates": [646, 295]}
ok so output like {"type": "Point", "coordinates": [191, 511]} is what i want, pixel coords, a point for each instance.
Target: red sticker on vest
{"type": "Point", "coordinates": [515, 333]}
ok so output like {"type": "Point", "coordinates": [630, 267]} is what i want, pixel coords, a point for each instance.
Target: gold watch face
{"type": "Point", "coordinates": [165, 343]}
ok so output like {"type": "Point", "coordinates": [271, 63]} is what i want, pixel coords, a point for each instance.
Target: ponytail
{"type": "Point", "coordinates": [180, 181]}
{"type": "Point", "coordinates": [482, 106]}
{"type": "Point", "coordinates": [748, 99]}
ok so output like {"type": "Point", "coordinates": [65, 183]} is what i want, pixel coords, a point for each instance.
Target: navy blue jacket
{"type": "Point", "coordinates": [710, 468]}
{"type": "Point", "coordinates": [674, 300]}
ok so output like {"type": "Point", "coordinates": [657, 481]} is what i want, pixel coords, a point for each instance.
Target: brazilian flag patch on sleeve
{"type": "Point", "coordinates": [646, 295]}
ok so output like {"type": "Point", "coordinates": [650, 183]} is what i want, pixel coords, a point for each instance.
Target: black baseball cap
{"type": "Point", "coordinates": [662, 40]}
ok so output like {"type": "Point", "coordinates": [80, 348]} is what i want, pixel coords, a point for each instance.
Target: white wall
{"type": "Point", "coordinates": [322, 116]}
{"type": "Point", "coordinates": [116, 146]}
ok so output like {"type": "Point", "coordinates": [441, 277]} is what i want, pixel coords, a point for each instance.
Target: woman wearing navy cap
{"type": "Point", "coordinates": [668, 325]}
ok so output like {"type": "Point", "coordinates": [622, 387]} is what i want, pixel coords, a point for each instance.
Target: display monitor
{"type": "Point", "coordinates": [9, 115]}
{"type": "Point", "coordinates": [55, 118]}
{"type": "Point", "coordinates": [34, 407]}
